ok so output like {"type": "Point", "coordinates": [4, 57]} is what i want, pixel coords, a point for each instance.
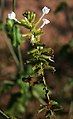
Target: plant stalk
{"type": "Point", "coordinates": [45, 85]}
{"type": "Point", "coordinates": [8, 42]}
{"type": "Point", "coordinates": [14, 3]}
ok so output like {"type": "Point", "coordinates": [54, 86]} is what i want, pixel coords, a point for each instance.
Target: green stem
{"type": "Point", "coordinates": [14, 3]}
{"type": "Point", "coordinates": [20, 59]}
{"type": "Point", "coordinates": [11, 49]}
{"type": "Point", "coordinates": [45, 85]}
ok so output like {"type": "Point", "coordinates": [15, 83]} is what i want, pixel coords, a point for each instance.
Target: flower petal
{"type": "Point", "coordinates": [45, 10]}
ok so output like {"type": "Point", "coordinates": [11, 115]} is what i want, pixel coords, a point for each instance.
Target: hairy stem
{"type": "Point", "coordinates": [45, 85]}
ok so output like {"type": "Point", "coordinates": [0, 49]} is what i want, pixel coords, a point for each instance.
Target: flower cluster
{"type": "Point", "coordinates": [45, 11]}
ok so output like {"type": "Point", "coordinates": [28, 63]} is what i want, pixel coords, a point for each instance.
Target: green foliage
{"type": "Point", "coordinates": [40, 55]}
{"type": "Point", "coordinates": [13, 33]}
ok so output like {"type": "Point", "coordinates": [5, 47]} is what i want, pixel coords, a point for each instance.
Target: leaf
{"type": "Point", "coordinates": [25, 24]}
{"type": "Point", "coordinates": [38, 32]}
{"type": "Point", "coordinates": [13, 38]}
{"type": "Point", "coordinates": [32, 51]}
{"type": "Point", "coordinates": [16, 36]}
{"type": "Point", "coordinates": [9, 22]}
{"type": "Point", "coordinates": [49, 51]}
{"type": "Point", "coordinates": [53, 102]}
{"type": "Point", "coordinates": [50, 68]}
{"type": "Point", "coordinates": [28, 71]}
{"type": "Point", "coordinates": [19, 36]}
{"type": "Point", "coordinates": [47, 57]}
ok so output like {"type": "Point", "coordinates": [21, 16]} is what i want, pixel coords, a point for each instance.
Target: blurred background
{"type": "Point", "coordinates": [57, 35]}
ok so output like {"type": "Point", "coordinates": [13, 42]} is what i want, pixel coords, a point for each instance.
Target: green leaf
{"type": "Point", "coordinates": [13, 37]}
{"type": "Point", "coordinates": [50, 68]}
{"type": "Point", "coordinates": [32, 51]}
{"type": "Point", "coordinates": [47, 50]}
{"type": "Point", "coordinates": [38, 32]}
{"type": "Point", "coordinates": [19, 36]}
{"type": "Point", "coordinates": [16, 36]}
{"type": "Point", "coordinates": [25, 24]}
{"type": "Point", "coordinates": [28, 71]}
{"type": "Point", "coordinates": [53, 102]}
{"type": "Point", "coordinates": [9, 22]}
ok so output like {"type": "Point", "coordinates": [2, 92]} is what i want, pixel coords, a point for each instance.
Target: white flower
{"type": "Point", "coordinates": [12, 15]}
{"type": "Point", "coordinates": [45, 21]}
{"type": "Point", "coordinates": [45, 10]}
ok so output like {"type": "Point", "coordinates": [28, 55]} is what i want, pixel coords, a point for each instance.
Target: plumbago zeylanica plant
{"type": "Point", "coordinates": [38, 58]}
